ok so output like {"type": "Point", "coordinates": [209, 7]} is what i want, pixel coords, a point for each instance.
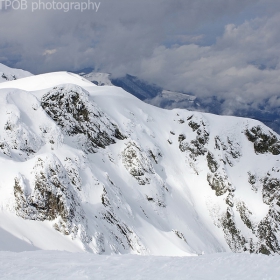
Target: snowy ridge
{"type": "Point", "coordinates": [10, 74]}
{"type": "Point", "coordinates": [106, 173]}
{"type": "Point", "coordinates": [45, 81]}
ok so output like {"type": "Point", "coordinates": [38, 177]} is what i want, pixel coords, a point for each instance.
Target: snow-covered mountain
{"type": "Point", "coordinates": [98, 78]}
{"type": "Point", "coordinates": [139, 88]}
{"type": "Point", "coordinates": [89, 168]}
{"type": "Point", "coordinates": [10, 74]}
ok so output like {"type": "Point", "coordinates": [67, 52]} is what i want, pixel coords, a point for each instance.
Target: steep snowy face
{"type": "Point", "coordinates": [49, 195]}
{"type": "Point", "coordinates": [10, 74]}
{"type": "Point", "coordinates": [93, 168]}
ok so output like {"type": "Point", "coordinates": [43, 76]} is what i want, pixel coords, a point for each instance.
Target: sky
{"type": "Point", "coordinates": [224, 48]}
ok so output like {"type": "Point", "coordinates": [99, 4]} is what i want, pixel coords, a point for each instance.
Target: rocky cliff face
{"type": "Point", "coordinates": [117, 175]}
{"type": "Point", "coordinates": [72, 111]}
{"type": "Point", "coordinates": [49, 195]}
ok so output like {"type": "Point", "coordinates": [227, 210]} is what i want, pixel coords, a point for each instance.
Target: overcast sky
{"type": "Point", "coordinates": [227, 48]}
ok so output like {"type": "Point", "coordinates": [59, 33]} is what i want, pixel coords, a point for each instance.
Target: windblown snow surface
{"type": "Point", "coordinates": [62, 265]}
{"type": "Point", "coordinates": [93, 169]}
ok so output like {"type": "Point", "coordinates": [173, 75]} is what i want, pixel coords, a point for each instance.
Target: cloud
{"type": "Point", "coordinates": [166, 42]}
{"type": "Point", "coordinates": [243, 65]}
{"type": "Point", "coordinates": [49, 52]}
{"type": "Point", "coordinates": [116, 38]}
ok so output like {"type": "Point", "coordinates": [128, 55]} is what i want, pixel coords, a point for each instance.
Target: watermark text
{"type": "Point", "coordinates": [38, 5]}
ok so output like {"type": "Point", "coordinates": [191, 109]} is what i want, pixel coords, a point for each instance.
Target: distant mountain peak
{"type": "Point", "coordinates": [10, 74]}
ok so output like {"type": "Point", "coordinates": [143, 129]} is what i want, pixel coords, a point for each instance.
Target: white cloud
{"type": "Point", "coordinates": [136, 37]}
{"type": "Point", "coordinates": [244, 64]}
{"type": "Point", "coordinates": [49, 52]}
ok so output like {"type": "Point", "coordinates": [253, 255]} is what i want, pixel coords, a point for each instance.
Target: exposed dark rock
{"type": "Point", "coordinates": [180, 235]}
{"type": "Point", "coordinates": [252, 179]}
{"type": "Point", "coordinates": [195, 146]}
{"type": "Point", "coordinates": [5, 149]}
{"type": "Point", "coordinates": [51, 198]}
{"type": "Point", "coordinates": [268, 233]}
{"type": "Point", "coordinates": [123, 234]}
{"type": "Point", "coordinates": [194, 125]}
{"type": "Point", "coordinates": [212, 163]}
{"type": "Point", "coordinates": [137, 163]}
{"type": "Point", "coordinates": [245, 214]}
{"type": "Point", "coordinates": [271, 190]}
{"type": "Point", "coordinates": [229, 199]}
{"type": "Point", "coordinates": [70, 107]}
{"type": "Point", "coordinates": [233, 235]}
{"type": "Point", "coordinates": [264, 142]}
{"type": "Point", "coordinates": [104, 198]}
{"type": "Point", "coordinates": [219, 183]}
{"type": "Point", "coordinates": [5, 77]}
{"type": "Point", "coordinates": [229, 148]}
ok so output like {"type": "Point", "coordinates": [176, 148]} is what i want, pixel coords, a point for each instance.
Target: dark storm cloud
{"type": "Point", "coordinates": [166, 42]}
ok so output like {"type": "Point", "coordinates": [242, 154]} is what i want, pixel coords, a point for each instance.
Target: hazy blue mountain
{"type": "Point", "coordinates": [137, 87]}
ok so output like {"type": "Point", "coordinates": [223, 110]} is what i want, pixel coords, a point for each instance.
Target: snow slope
{"type": "Point", "coordinates": [89, 168]}
{"type": "Point", "coordinates": [10, 74]}
{"type": "Point", "coordinates": [63, 265]}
